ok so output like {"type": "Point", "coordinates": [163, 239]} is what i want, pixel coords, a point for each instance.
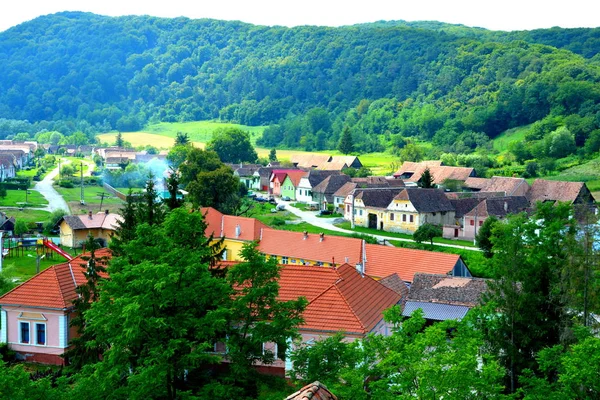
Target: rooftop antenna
{"type": "Point", "coordinates": [102, 196]}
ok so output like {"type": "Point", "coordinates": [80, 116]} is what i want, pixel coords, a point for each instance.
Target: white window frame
{"type": "Point", "coordinates": [284, 260]}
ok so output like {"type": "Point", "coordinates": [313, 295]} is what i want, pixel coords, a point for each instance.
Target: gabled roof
{"type": "Point", "coordinates": [426, 200]}
{"type": "Point", "coordinates": [345, 189]}
{"type": "Point", "coordinates": [413, 167]}
{"type": "Point", "coordinates": [476, 183]}
{"type": "Point", "coordinates": [376, 197]}
{"type": "Point", "coordinates": [53, 287]}
{"type": "Point", "coordinates": [383, 261]}
{"type": "Point", "coordinates": [336, 165]}
{"type": "Point", "coordinates": [332, 249]}
{"type": "Point", "coordinates": [499, 206]}
{"type": "Point", "coordinates": [463, 206]}
{"type": "Point", "coordinates": [100, 220]}
{"type": "Point", "coordinates": [395, 283]}
{"type": "Point", "coordinates": [230, 226]}
{"type": "Point", "coordinates": [246, 169]}
{"type": "Point", "coordinates": [295, 176]}
{"type": "Point", "coordinates": [331, 184]}
{"type": "Point", "coordinates": [280, 174]}
{"type": "Point", "coordinates": [309, 160]}
{"type": "Point", "coordinates": [315, 177]}
{"type": "Point", "coordinates": [437, 288]}
{"type": "Point", "coordinates": [312, 391]}
{"type": "Point", "coordinates": [543, 190]}
{"type": "Point", "coordinates": [439, 173]}
{"type": "Point", "coordinates": [505, 185]}
{"type": "Point", "coordinates": [339, 299]}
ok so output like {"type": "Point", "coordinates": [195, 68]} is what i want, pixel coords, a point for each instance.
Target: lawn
{"type": "Point", "coordinates": [502, 141]}
{"type": "Point", "coordinates": [360, 229]}
{"type": "Point", "coordinates": [16, 198]}
{"type": "Point", "coordinates": [23, 267]}
{"type": "Point", "coordinates": [27, 215]}
{"type": "Point", "coordinates": [140, 139]}
{"type": "Point", "coordinates": [91, 195]}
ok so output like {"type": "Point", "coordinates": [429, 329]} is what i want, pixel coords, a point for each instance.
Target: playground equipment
{"type": "Point", "coordinates": [56, 249]}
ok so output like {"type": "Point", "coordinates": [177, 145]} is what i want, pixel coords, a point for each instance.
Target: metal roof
{"type": "Point", "coordinates": [436, 311]}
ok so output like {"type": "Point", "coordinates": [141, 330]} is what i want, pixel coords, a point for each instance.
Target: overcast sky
{"type": "Point", "coordinates": [491, 14]}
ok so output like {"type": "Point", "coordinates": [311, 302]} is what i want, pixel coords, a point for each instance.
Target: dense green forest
{"type": "Point", "coordinates": [392, 83]}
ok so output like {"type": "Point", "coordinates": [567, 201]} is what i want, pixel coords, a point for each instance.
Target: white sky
{"type": "Point", "coordinates": [491, 14]}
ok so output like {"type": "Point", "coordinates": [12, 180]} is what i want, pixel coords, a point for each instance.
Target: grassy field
{"type": "Point", "coordinates": [16, 198]}
{"type": "Point", "coordinates": [23, 267]}
{"type": "Point", "coordinates": [588, 172]}
{"type": "Point", "coordinates": [27, 215]}
{"type": "Point", "coordinates": [138, 139]}
{"type": "Point", "coordinates": [517, 134]}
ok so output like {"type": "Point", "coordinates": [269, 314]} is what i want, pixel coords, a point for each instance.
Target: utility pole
{"type": "Point", "coordinates": [352, 210]}
{"type": "Point", "coordinates": [59, 169]}
{"type": "Point", "coordinates": [1, 250]}
{"type": "Point", "coordinates": [81, 200]}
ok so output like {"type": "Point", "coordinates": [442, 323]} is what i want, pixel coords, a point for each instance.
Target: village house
{"type": "Point", "coordinates": [443, 297]}
{"type": "Point", "coordinates": [368, 207]}
{"type": "Point", "coordinates": [325, 162]}
{"type": "Point", "coordinates": [35, 316]}
{"type": "Point", "coordinates": [304, 190]}
{"type": "Point", "coordinates": [290, 183]}
{"type": "Point", "coordinates": [8, 164]}
{"type": "Point", "coordinates": [276, 180]}
{"type": "Point", "coordinates": [414, 207]}
{"type": "Point", "coordinates": [500, 185]}
{"type": "Point", "coordinates": [246, 174]}
{"type": "Point", "coordinates": [74, 229]}
{"type": "Point", "coordinates": [262, 178]}
{"type": "Point", "coordinates": [340, 195]}
{"type": "Point", "coordinates": [323, 193]}
{"type": "Point", "coordinates": [576, 193]}
{"type": "Point", "coordinates": [411, 172]}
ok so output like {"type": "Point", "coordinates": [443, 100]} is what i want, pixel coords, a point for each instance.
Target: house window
{"type": "Point", "coordinates": [40, 334]}
{"type": "Point", "coordinates": [480, 223]}
{"type": "Point", "coordinates": [284, 260]}
{"type": "Point", "coordinates": [391, 216]}
{"type": "Point", "coordinates": [347, 208]}
{"type": "Point", "coordinates": [360, 213]}
{"type": "Point", "coordinates": [472, 223]}
{"type": "Point", "coordinates": [24, 333]}
{"type": "Point", "coordinates": [433, 214]}
{"type": "Point", "coordinates": [412, 219]}
{"type": "Point", "coordinates": [403, 217]}
{"type": "Point", "coordinates": [319, 264]}
{"type": "Point", "coordinates": [293, 261]}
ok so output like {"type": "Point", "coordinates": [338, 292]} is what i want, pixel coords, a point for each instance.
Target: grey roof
{"type": "Point", "coordinates": [426, 200]}
{"type": "Point", "coordinates": [444, 289]}
{"type": "Point", "coordinates": [499, 206]}
{"type": "Point", "coordinates": [73, 221]}
{"type": "Point", "coordinates": [463, 206]}
{"type": "Point", "coordinates": [376, 197]}
{"type": "Point", "coordinates": [435, 311]}
{"type": "Point", "coordinates": [395, 283]}
{"type": "Point", "coordinates": [317, 176]}
{"type": "Point", "coordinates": [331, 184]}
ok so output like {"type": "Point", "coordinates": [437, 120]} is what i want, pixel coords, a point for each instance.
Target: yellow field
{"type": "Point", "coordinates": [379, 163]}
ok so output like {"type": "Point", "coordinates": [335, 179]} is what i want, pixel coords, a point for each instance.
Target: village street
{"type": "Point", "coordinates": [55, 200]}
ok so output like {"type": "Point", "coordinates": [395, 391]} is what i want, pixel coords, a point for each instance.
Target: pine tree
{"type": "Point", "coordinates": [173, 188]}
{"type": "Point", "coordinates": [119, 140]}
{"type": "Point", "coordinates": [273, 155]}
{"type": "Point", "coordinates": [150, 210]}
{"type": "Point", "coordinates": [346, 145]}
{"type": "Point", "coordinates": [427, 179]}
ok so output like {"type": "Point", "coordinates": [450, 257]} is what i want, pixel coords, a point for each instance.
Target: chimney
{"type": "Point", "coordinates": [90, 215]}
{"type": "Point", "coordinates": [238, 231]}
{"type": "Point", "coordinates": [106, 212]}
{"type": "Point", "coordinates": [359, 269]}
{"type": "Point", "coordinates": [505, 207]}
{"type": "Point", "coordinates": [321, 237]}
{"type": "Point", "coordinates": [305, 235]}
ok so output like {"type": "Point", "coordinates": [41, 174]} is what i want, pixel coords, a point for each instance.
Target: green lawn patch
{"type": "Point", "coordinates": [91, 195]}
{"type": "Point", "coordinates": [17, 198]}
{"type": "Point", "coordinates": [200, 131]}
{"type": "Point", "coordinates": [23, 267]}
{"type": "Point", "coordinates": [502, 141]}
{"type": "Point", "coordinates": [27, 215]}
{"type": "Point", "coordinates": [360, 229]}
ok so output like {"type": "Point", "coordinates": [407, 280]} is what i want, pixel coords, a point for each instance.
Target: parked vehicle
{"type": "Point", "coordinates": [280, 207]}
{"type": "Point", "coordinates": [286, 198]}
{"type": "Point", "coordinates": [325, 212]}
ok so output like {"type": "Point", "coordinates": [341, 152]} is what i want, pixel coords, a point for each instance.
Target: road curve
{"type": "Point", "coordinates": [55, 200]}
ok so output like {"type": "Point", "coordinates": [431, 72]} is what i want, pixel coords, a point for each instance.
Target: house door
{"type": "Point", "coordinates": [456, 232]}
{"type": "Point", "coordinates": [381, 225]}
{"type": "Point", "coordinates": [373, 221]}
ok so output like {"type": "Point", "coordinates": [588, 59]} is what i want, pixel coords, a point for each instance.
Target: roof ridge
{"type": "Point", "coordinates": [18, 286]}
{"type": "Point", "coordinates": [62, 295]}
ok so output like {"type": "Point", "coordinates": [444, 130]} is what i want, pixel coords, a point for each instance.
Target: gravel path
{"type": "Point", "coordinates": [327, 223]}
{"type": "Point", "coordinates": [55, 200]}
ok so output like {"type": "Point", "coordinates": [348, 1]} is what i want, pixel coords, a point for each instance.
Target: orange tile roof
{"type": "Point", "coordinates": [295, 176]}
{"type": "Point", "coordinates": [333, 249]}
{"type": "Point", "coordinates": [339, 299]}
{"type": "Point", "coordinates": [53, 287]}
{"type": "Point", "coordinates": [221, 225]}
{"type": "Point", "coordinates": [383, 261]}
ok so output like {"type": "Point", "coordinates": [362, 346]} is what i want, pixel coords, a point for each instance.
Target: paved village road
{"type": "Point", "coordinates": [55, 200]}
{"type": "Point", "coordinates": [327, 223]}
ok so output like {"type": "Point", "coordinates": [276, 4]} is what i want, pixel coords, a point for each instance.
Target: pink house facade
{"type": "Point", "coordinates": [35, 316]}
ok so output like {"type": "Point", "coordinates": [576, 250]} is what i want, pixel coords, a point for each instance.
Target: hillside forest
{"type": "Point", "coordinates": [419, 90]}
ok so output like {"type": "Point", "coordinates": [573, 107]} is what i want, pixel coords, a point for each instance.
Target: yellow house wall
{"type": "Point", "coordinates": [66, 235]}
{"type": "Point", "coordinates": [233, 247]}
{"type": "Point", "coordinates": [71, 238]}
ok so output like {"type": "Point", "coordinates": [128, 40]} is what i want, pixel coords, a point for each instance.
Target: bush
{"type": "Point", "coordinates": [66, 184]}
{"type": "Point", "coordinates": [278, 221]}
{"type": "Point", "coordinates": [6, 354]}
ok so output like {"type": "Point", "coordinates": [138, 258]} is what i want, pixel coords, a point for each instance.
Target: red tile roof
{"type": "Point", "coordinates": [339, 300]}
{"type": "Point", "coordinates": [383, 261]}
{"type": "Point", "coordinates": [53, 287]}
{"type": "Point", "coordinates": [333, 249]}
{"type": "Point", "coordinates": [295, 176]}
{"type": "Point", "coordinates": [312, 391]}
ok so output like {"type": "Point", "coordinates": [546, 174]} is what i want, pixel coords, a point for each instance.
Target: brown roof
{"type": "Point", "coordinates": [498, 184]}
{"type": "Point", "coordinates": [376, 197]}
{"type": "Point", "coordinates": [368, 182]}
{"type": "Point", "coordinates": [339, 299]}
{"type": "Point", "coordinates": [395, 283]}
{"type": "Point", "coordinates": [499, 206]}
{"type": "Point", "coordinates": [331, 184]}
{"type": "Point", "coordinates": [476, 183]}
{"type": "Point", "coordinates": [463, 206]}
{"type": "Point", "coordinates": [295, 176]}
{"type": "Point", "coordinates": [439, 173]}
{"type": "Point", "coordinates": [55, 286]}
{"type": "Point", "coordinates": [437, 288]}
{"type": "Point", "coordinates": [312, 391]}
{"type": "Point", "coordinates": [543, 190]}
{"type": "Point", "coordinates": [383, 261]}
{"type": "Point", "coordinates": [413, 167]}
{"type": "Point", "coordinates": [309, 160]}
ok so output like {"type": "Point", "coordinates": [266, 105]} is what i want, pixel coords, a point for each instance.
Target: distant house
{"type": "Point", "coordinates": [309, 160]}
{"type": "Point", "coordinates": [304, 190]}
{"type": "Point", "coordinates": [277, 179]}
{"type": "Point", "coordinates": [7, 224]}
{"type": "Point", "coordinates": [443, 297]}
{"type": "Point", "coordinates": [501, 185]}
{"type": "Point", "coordinates": [323, 193]}
{"type": "Point", "coordinates": [34, 316]}
{"type": "Point", "coordinates": [340, 195]}
{"type": "Point", "coordinates": [499, 207]}
{"type": "Point", "coordinates": [412, 172]}
{"type": "Point", "coordinates": [8, 164]}
{"type": "Point", "coordinates": [325, 162]}
{"type": "Point", "coordinates": [74, 229]}
{"type": "Point", "coordinates": [246, 174]}
{"type": "Point", "coordinates": [19, 156]}
{"type": "Point", "coordinates": [262, 178]}
{"type": "Point", "coordinates": [291, 182]}
{"type": "Point", "coordinates": [412, 208]}
{"type": "Point", "coordinates": [575, 193]}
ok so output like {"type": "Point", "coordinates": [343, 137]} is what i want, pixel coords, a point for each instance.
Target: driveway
{"type": "Point", "coordinates": [55, 200]}
{"type": "Point", "coordinates": [327, 223]}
